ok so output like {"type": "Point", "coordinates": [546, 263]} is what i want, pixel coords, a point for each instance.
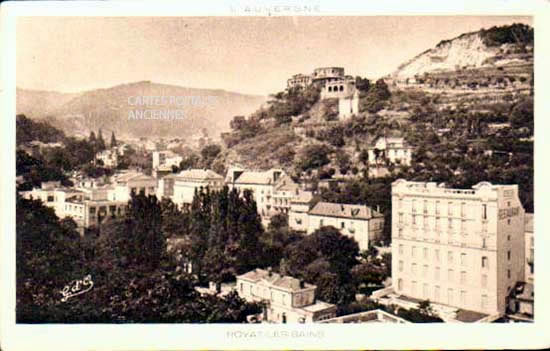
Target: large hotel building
{"type": "Point", "coordinates": [458, 247]}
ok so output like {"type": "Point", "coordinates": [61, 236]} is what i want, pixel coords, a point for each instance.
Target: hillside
{"type": "Point", "coordinates": [40, 103]}
{"type": "Point", "coordinates": [466, 124]}
{"type": "Point", "coordinates": [109, 109]}
{"type": "Point", "coordinates": [494, 47]}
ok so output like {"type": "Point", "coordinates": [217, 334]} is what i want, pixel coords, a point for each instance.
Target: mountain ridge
{"type": "Point", "coordinates": [109, 108]}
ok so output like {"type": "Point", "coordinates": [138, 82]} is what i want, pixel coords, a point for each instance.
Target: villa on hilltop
{"type": "Point", "coordinates": [334, 84]}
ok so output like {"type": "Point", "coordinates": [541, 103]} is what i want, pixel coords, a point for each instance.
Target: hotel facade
{"type": "Point", "coordinates": [462, 248]}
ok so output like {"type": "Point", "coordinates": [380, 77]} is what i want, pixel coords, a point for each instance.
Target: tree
{"type": "Point", "coordinates": [314, 156]}
{"type": "Point", "coordinates": [426, 307]}
{"type": "Point", "coordinates": [143, 230]}
{"type": "Point", "coordinates": [92, 138]}
{"type": "Point", "coordinates": [522, 115]}
{"type": "Point", "coordinates": [100, 141]}
{"type": "Point", "coordinates": [113, 140]}
{"type": "Point", "coordinates": [362, 84]}
{"type": "Point", "coordinates": [325, 258]}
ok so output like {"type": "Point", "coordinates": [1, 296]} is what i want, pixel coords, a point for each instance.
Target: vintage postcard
{"type": "Point", "coordinates": [272, 176]}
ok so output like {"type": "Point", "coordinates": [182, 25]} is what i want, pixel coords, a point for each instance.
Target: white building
{"type": "Point", "coordinates": [262, 185]}
{"type": "Point", "coordinates": [187, 182]}
{"type": "Point", "coordinates": [87, 207]}
{"type": "Point", "coordinates": [395, 150]}
{"type": "Point", "coordinates": [166, 159]}
{"type": "Point", "coordinates": [462, 248]}
{"type": "Point", "coordinates": [356, 221]}
{"type": "Point", "coordinates": [126, 183]}
{"type": "Point", "coordinates": [109, 158]}
{"type": "Point", "coordinates": [288, 299]}
{"type": "Point", "coordinates": [298, 218]}
{"type": "Point", "coordinates": [348, 106]}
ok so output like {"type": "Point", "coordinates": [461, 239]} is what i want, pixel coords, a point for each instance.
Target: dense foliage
{"type": "Point", "coordinates": [134, 279]}
{"type": "Point", "coordinates": [516, 33]}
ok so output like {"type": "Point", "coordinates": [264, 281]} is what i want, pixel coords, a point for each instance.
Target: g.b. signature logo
{"type": "Point", "coordinates": [77, 287]}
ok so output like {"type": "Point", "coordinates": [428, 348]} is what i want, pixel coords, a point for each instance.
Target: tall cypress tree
{"type": "Point", "coordinates": [100, 141]}
{"type": "Point", "coordinates": [113, 140]}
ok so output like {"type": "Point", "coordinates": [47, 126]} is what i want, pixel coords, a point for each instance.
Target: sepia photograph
{"type": "Point", "coordinates": [272, 170]}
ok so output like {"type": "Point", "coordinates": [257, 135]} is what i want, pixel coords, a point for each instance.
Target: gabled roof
{"type": "Point", "coordinates": [199, 174]}
{"type": "Point", "coordinates": [275, 279]}
{"type": "Point", "coordinates": [344, 211]}
{"type": "Point", "coordinates": [255, 177]}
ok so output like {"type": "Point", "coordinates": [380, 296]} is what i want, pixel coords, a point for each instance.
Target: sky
{"type": "Point", "coordinates": [252, 55]}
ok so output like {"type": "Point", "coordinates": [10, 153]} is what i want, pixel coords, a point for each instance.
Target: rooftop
{"type": "Point", "coordinates": [344, 211]}
{"type": "Point", "coordinates": [199, 174]}
{"type": "Point", "coordinates": [275, 279]}
{"type": "Point", "coordinates": [257, 177]}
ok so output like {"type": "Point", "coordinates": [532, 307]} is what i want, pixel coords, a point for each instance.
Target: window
{"type": "Point", "coordinates": [425, 207]}
{"type": "Point", "coordinates": [436, 293]}
{"type": "Point", "coordinates": [400, 266]}
{"type": "Point", "coordinates": [450, 293]}
{"type": "Point", "coordinates": [463, 277]}
{"type": "Point", "coordinates": [463, 226]}
{"type": "Point", "coordinates": [484, 262]}
{"type": "Point", "coordinates": [414, 206]}
{"type": "Point", "coordinates": [462, 259]}
{"type": "Point", "coordinates": [321, 222]}
{"type": "Point", "coordinates": [509, 255]}
{"type": "Point", "coordinates": [509, 237]}
{"type": "Point", "coordinates": [450, 209]}
{"type": "Point", "coordinates": [437, 273]}
{"type": "Point", "coordinates": [425, 271]}
{"type": "Point", "coordinates": [484, 211]}
{"type": "Point", "coordinates": [414, 220]}
{"type": "Point", "coordinates": [463, 297]}
{"type": "Point", "coordinates": [425, 253]}
{"type": "Point", "coordinates": [413, 288]}
{"type": "Point", "coordinates": [437, 207]}
{"type": "Point", "coordinates": [401, 249]}
{"type": "Point", "coordinates": [437, 255]}
{"type": "Point", "coordinates": [484, 280]}
{"type": "Point", "coordinates": [413, 268]}
{"type": "Point", "coordinates": [342, 225]}
{"type": "Point", "coordinates": [450, 275]}
{"type": "Point", "coordinates": [483, 302]}
{"type": "Point", "coordinates": [450, 222]}
{"type": "Point", "coordinates": [509, 273]}
{"type": "Point", "coordinates": [437, 223]}
{"type": "Point", "coordinates": [484, 243]}
{"type": "Point", "coordinates": [92, 210]}
{"type": "Point", "coordinates": [400, 284]}
{"type": "Point", "coordinates": [450, 257]}
{"type": "Point", "coordinates": [425, 290]}
{"type": "Point", "coordinates": [463, 209]}
{"type": "Point", "coordinates": [400, 232]}
{"type": "Point", "coordinates": [509, 222]}
{"type": "Point", "coordinates": [241, 287]}
{"type": "Point", "coordinates": [413, 251]}
{"type": "Point", "coordinates": [50, 198]}
{"type": "Point", "coordinates": [401, 218]}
